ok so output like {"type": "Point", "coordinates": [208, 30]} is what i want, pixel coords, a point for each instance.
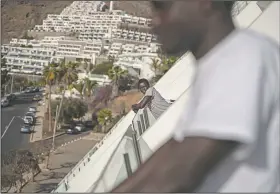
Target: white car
{"type": "Point", "coordinates": [32, 109]}
{"type": "Point", "coordinates": [41, 102]}
{"type": "Point", "coordinates": [80, 128]}
{"type": "Point", "coordinates": [4, 103]}
{"type": "Point", "coordinates": [32, 114]}
{"type": "Point", "coordinates": [28, 120]}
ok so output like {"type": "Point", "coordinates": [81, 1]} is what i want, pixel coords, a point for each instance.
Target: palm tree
{"type": "Point", "coordinates": [50, 73]}
{"type": "Point", "coordinates": [3, 63]}
{"type": "Point", "coordinates": [88, 67]}
{"type": "Point", "coordinates": [168, 63]}
{"type": "Point", "coordinates": [104, 116]}
{"type": "Point", "coordinates": [155, 65]}
{"type": "Point", "coordinates": [42, 82]}
{"type": "Point", "coordinates": [89, 85]}
{"type": "Point", "coordinates": [68, 75]}
{"type": "Point", "coordinates": [115, 73]}
{"type": "Point", "coordinates": [79, 87]}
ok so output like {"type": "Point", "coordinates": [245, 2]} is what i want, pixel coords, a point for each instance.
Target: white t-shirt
{"type": "Point", "coordinates": [158, 104]}
{"type": "Point", "coordinates": [235, 96]}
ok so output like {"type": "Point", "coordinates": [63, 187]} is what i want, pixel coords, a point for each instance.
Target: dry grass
{"type": "Point", "coordinates": [126, 101]}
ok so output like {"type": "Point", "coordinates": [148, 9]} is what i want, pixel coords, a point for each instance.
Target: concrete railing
{"type": "Point", "coordinates": [84, 161]}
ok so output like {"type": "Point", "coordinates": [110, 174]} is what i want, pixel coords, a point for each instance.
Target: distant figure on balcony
{"type": "Point", "coordinates": [152, 99]}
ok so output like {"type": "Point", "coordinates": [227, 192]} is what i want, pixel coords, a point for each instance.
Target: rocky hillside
{"type": "Point", "coordinates": [18, 16]}
{"type": "Point", "coordinates": [137, 8]}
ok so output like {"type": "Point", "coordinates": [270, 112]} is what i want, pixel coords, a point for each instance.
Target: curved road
{"type": "Point", "coordinates": [11, 138]}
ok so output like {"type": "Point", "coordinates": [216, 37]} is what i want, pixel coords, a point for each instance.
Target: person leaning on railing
{"type": "Point", "coordinates": [152, 99]}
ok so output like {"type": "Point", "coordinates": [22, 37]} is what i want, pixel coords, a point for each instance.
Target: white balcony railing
{"type": "Point", "coordinates": [83, 162]}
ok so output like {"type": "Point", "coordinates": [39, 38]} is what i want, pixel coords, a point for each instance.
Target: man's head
{"type": "Point", "coordinates": [182, 25]}
{"type": "Point", "coordinates": [143, 85]}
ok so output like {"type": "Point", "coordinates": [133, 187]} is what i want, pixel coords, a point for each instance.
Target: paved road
{"type": "Point", "coordinates": [12, 138]}
{"type": "Point", "coordinates": [64, 159]}
{"type": "Point", "coordinates": [45, 145]}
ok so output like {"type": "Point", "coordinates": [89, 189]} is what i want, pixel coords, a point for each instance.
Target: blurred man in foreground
{"type": "Point", "coordinates": [228, 138]}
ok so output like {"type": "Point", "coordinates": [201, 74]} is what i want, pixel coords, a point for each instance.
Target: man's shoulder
{"type": "Point", "coordinates": [245, 46]}
{"type": "Point", "coordinates": [254, 41]}
{"type": "Point", "coordinates": [244, 53]}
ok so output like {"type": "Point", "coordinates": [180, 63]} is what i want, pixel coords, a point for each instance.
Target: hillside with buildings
{"type": "Point", "coordinates": [84, 32]}
{"type": "Point", "coordinates": [15, 23]}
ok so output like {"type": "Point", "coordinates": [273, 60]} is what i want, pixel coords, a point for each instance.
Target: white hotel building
{"type": "Point", "coordinates": [28, 60]}
{"type": "Point", "coordinates": [139, 136]}
{"type": "Point", "coordinates": [96, 27]}
{"type": "Point", "coordinates": [94, 33]}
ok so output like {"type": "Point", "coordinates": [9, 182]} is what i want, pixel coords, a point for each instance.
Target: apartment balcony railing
{"type": "Point", "coordinates": [125, 159]}
{"type": "Point", "coordinates": [63, 185]}
{"type": "Point", "coordinates": [128, 155]}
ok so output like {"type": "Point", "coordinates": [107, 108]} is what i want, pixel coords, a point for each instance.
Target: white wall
{"type": "Point", "coordinates": [269, 22]}
{"type": "Point", "coordinates": [266, 22]}
{"type": "Point", "coordinates": [178, 78]}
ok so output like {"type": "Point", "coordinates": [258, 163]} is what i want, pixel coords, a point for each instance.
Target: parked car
{"type": "Point", "coordinates": [89, 124]}
{"type": "Point", "coordinates": [5, 103]}
{"type": "Point", "coordinates": [27, 91]}
{"type": "Point", "coordinates": [32, 114]}
{"type": "Point", "coordinates": [36, 89]}
{"type": "Point", "coordinates": [11, 97]}
{"type": "Point", "coordinates": [36, 98]}
{"type": "Point", "coordinates": [80, 127]}
{"type": "Point", "coordinates": [72, 131]}
{"type": "Point", "coordinates": [41, 102]}
{"type": "Point", "coordinates": [32, 109]}
{"type": "Point", "coordinates": [28, 120]}
{"type": "Point", "coordinates": [26, 129]}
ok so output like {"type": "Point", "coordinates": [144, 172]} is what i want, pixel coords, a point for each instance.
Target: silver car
{"type": "Point", "coordinates": [26, 129]}
{"type": "Point", "coordinates": [32, 109]}
{"type": "Point", "coordinates": [5, 103]}
{"type": "Point", "coordinates": [28, 120]}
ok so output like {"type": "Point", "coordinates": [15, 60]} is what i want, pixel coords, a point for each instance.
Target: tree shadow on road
{"type": "Point", "coordinates": [45, 188]}
{"type": "Point", "coordinates": [50, 175]}
{"type": "Point", "coordinates": [65, 165]}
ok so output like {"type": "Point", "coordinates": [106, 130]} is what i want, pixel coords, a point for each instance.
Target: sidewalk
{"type": "Point", "coordinates": [38, 128]}
{"type": "Point", "coordinates": [61, 162]}
{"type": "Point", "coordinates": [94, 136]}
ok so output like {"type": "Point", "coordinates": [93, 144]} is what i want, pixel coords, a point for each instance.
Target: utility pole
{"type": "Point", "coordinates": [54, 130]}
{"type": "Point", "coordinates": [5, 89]}
{"type": "Point", "coordinates": [12, 83]}
{"type": "Point", "coordinates": [111, 6]}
